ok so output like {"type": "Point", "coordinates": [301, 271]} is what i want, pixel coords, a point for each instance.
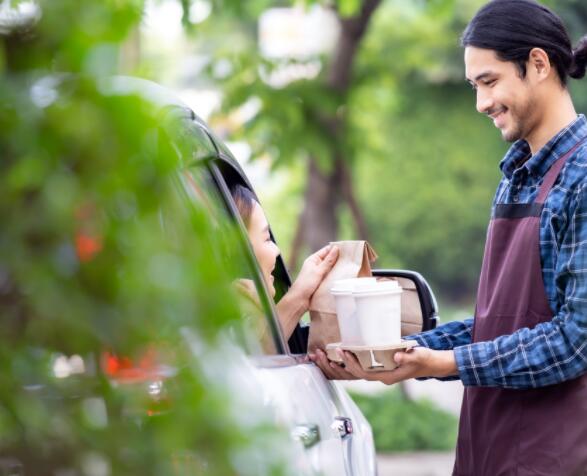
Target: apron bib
{"type": "Point", "coordinates": [521, 432]}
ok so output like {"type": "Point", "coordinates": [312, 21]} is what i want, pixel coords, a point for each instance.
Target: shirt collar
{"type": "Point", "coordinates": [555, 148]}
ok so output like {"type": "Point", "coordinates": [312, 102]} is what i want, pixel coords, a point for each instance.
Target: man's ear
{"type": "Point", "coordinates": [539, 64]}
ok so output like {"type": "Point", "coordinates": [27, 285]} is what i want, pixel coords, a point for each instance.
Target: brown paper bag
{"type": "Point", "coordinates": [411, 320]}
{"type": "Point", "coordinates": [354, 260]}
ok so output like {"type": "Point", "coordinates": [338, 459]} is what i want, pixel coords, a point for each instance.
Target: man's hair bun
{"type": "Point", "coordinates": [577, 70]}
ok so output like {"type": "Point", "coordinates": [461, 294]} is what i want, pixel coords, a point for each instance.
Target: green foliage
{"type": "Point", "coordinates": [425, 163]}
{"type": "Point", "coordinates": [76, 35]}
{"type": "Point", "coordinates": [404, 425]}
{"type": "Point", "coordinates": [418, 38]}
{"type": "Point", "coordinates": [292, 122]}
{"type": "Point", "coordinates": [435, 178]}
{"type": "Point", "coordinates": [88, 268]}
{"type": "Point", "coordinates": [104, 261]}
{"type": "Point", "coordinates": [348, 8]}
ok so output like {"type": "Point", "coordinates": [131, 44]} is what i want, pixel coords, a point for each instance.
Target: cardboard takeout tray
{"type": "Point", "coordinates": [371, 358]}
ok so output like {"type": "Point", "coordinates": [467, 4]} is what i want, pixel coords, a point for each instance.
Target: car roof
{"type": "Point", "coordinates": [164, 98]}
{"type": "Point", "coordinates": [156, 94]}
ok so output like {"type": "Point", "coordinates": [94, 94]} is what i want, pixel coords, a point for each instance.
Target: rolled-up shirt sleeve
{"type": "Point", "coordinates": [445, 337]}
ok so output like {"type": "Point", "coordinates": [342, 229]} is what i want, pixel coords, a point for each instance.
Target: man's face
{"type": "Point", "coordinates": [501, 93]}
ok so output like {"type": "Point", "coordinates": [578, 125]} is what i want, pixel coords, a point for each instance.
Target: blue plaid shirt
{"type": "Point", "coordinates": [552, 351]}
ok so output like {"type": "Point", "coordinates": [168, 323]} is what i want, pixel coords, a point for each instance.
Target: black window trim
{"type": "Point", "coordinates": [298, 341]}
{"type": "Point", "coordinates": [266, 302]}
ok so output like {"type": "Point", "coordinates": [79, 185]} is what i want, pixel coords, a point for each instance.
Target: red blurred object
{"type": "Point", "coordinates": [147, 373]}
{"type": "Point", "coordinates": [88, 240]}
{"type": "Point", "coordinates": [87, 246]}
{"type": "Point", "coordinates": [113, 364]}
{"type": "Point", "coordinates": [122, 368]}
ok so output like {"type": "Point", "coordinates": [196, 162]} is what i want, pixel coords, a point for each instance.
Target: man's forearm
{"type": "Point", "coordinates": [550, 353]}
{"type": "Point", "coordinates": [445, 337]}
{"type": "Point", "coordinates": [447, 365]}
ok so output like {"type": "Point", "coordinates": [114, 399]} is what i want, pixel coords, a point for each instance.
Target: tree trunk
{"type": "Point", "coordinates": [318, 221]}
{"type": "Point", "coordinates": [130, 52]}
{"type": "Point", "coordinates": [347, 191]}
{"type": "Point", "coordinates": [317, 224]}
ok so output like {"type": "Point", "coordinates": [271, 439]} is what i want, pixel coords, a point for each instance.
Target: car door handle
{"type": "Point", "coordinates": [343, 427]}
{"type": "Point", "coordinates": [308, 434]}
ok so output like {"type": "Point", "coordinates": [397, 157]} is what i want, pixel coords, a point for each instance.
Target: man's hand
{"type": "Point", "coordinates": [417, 362]}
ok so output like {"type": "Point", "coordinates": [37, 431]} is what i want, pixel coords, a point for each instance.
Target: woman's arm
{"type": "Point", "coordinates": [296, 301]}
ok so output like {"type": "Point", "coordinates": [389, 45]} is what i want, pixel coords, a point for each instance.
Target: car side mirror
{"type": "Point", "coordinates": [419, 308]}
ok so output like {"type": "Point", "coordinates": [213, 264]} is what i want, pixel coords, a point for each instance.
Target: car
{"type": "Point", "coordinates": [268, 376]}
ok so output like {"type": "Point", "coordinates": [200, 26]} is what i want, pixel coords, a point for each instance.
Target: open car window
{"type": "Point", "coordinates": [297, 342]}
{"type": "Point", "coordinates": [258, 335]}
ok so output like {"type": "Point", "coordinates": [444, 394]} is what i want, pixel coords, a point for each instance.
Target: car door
{"type": "Point", "coordinates": [276, 377]}
{"type": "Point", "coordinates": [321, 415]}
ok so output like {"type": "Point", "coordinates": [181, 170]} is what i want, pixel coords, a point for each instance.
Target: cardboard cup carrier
{"type": "Point", "coordinates": [354, 311]}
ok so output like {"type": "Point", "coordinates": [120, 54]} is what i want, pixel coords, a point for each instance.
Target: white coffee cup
{"type": "Point", "coordinates": [378, 312]}
{"type": "Point", "coordinates": [342, 290]}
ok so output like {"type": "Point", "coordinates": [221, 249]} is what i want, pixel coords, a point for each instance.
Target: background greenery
{"type": "Point", "coordinates": [403, 425]}
{"type": "Point", "coordinates": [114, 297]}
{"type": "Point", "coordinates": [389, 137]}
{"type": "Point", "coordinates": [423, 162]}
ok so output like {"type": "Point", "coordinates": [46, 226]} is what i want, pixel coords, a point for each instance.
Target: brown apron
{"type": "Point", "coordinates": [538, 431]}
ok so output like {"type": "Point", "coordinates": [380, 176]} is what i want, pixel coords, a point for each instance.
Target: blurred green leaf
{"type": "Point", "coordinates": [404, 425]}
{"type": "Point", "coordinates": [112, 279]}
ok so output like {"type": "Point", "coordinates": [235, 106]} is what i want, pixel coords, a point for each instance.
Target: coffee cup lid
{"type": "Point", "coordinates": [344, 286]}
{"type": "Point", "coordinates": [378, 287]}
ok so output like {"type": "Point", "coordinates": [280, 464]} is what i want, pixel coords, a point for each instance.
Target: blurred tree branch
{"type": "Point", "coordinates": [318, 222]}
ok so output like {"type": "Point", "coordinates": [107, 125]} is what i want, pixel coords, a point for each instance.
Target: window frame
{"type": "Point", "coordinates": [267, 304]}
{"type": "Point", "coordinates": [298, 342]}
{"type": "Point", "coordinates": [219, 162]}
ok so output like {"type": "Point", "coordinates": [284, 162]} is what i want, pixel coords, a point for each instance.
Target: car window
{"type": "Point", "coordinates": [258, 335]}
{"type": "Point", "coordinates": [297, 342]}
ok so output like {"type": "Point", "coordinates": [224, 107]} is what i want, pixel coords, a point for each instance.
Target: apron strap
{"type": "Point", "coordinates": [553, 172]}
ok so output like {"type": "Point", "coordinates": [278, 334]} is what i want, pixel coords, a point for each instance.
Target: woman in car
{"type": "Point", "coordinates": [296, 301]}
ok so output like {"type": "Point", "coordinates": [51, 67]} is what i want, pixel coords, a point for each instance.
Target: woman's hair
{"type": "Point", "coordinates": [512, 28]}
{"type": "Point", "coordinates": [244, 200]}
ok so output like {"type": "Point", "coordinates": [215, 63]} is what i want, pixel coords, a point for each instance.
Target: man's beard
{"type": "Point", "coordinates": [522, 117]}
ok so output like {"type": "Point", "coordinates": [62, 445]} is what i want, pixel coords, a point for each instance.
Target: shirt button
{"type": "Point", "coordinates": [516, 198]}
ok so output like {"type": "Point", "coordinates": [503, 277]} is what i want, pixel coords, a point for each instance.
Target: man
{"type": "Point", "coordinates": [523, 358]}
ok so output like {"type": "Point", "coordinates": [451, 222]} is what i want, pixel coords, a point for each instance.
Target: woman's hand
{"type": "Point", "coordinates": [331, 370]}
{"type": "Point", "coordinates": [313, 272]}
{"type": "Point", "coordinates": [296, 301]}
